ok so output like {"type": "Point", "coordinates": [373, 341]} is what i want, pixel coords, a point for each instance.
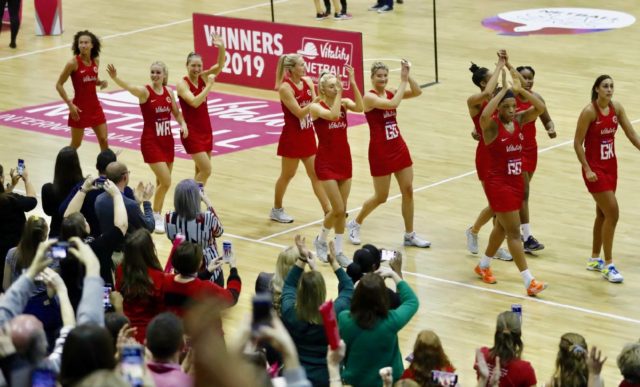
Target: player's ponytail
{"type": "Point", "coordinates": [285, 62]}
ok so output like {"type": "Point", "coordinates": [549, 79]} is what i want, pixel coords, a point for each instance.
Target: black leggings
{"type": "Point", "coordinates": [14, 9]}
{"type": "Point", "coordinates": [327, 5]}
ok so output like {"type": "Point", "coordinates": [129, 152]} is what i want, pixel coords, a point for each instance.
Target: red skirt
{"type": "Point", "coordinates": [504, 195]}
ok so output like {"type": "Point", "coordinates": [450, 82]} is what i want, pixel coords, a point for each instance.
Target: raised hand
{"type": "Point", "coordinates": [595, 361]}
{"type": "Point", "coordinates": [517, 84]}
{"type": "Point", "coordinates": [217, 40]}
{"type": "Point", "coordinates": [111, 70]}
{"type": "Point", "coordinates": [111, 188]}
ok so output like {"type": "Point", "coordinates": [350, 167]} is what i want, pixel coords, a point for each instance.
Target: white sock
{"type": "Point", "coordinates": [526, 277]}
{"type": "Point", "coordinates": [485, 261]}
{"type": "Point", "coordinates": [339, 238]}
{"type": "Point", "coordinates": [594, 259]}
{"type": "Point", "coordinates": [324, 233]}
{"type": "Point", "coordinates": [526, 231]}
{"type": "Point", "coordinates": [409, 235]}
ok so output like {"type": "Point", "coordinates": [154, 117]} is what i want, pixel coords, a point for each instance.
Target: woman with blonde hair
{"type": "Point", "coordinates": [507, 348]}
{"type": "Point", "coordinates": [302, 295]}
{"type": "Point", "coordinates": [571, 362]}
{"type": "Point", "coordinates": [297, 140]}
{"type": "Point", "coordinates": [428, 355]}
{"type": "Point", "coordinates": [274, 282]}
{"type": "Point", "coordinates": [156, 143]}
{"type": "Point", "coordinates": [333, 160]}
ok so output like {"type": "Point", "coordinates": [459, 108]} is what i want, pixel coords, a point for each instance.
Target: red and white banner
{"type": "Point", "coordinates": [253, 48]}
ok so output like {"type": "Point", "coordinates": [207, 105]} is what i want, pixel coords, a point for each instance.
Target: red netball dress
{"type": "Point", "coordinates": [504, 185]}
{"type": "Point", "coordinates": [333, 160]}
{"type": "Point", "coordinates": [85, 97]}
{"type": "Point", "coordinates": [529, 144]}
{"type": "Point", "coordinates": [481, 149]}
{"type": "Point", "coordinates": [297, 139]}
{"type": "Point", "coordinates": [156, 142]}
{"type": "Point", "coordinates": [200, 138]}
{"type": "Point", "coordinates": [599, 148]}
{"type": "Point", "coordinates": [388, 153]}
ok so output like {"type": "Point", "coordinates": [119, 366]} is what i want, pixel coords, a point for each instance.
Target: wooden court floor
{"type": "Point", "coordinates": [436, 126]}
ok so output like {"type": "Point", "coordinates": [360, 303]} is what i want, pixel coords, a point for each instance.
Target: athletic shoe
{"type": "Point", "coordinates": [486, 274]}
{"type": "Point", "coordinates": [376, 7]}
{"type": "Point", "coordinates": [279, 215]}
{"type": "Point", "coordinates": [611, 274]}
{"type": "Point", "coordinates": [596, 264]}
{"type": "Point", "coordinates": [385, 9]}
{"type": "Point", "coordinates": [472, 241]}
{"type": "Point", "coordinates": [322, 249]}
{"type": "Point", "coordinates": [342, 16]}
{"type": "Point", "coordinates": [354, 232]}
{"type": "Point", "coordinates": [532, 244]}
{"type": "Point", "coordinates": [159, 229]}
{"type": "Point", "coordinates": [503, 255]}
{"type": "Point", "coordinates": [321, 16]}
{"type": "Point", "coordinates": [414, 240]}
{"type": "Point", "coordinates": [343, 260]}
{"type": "Point", "coordinates": [535, 287]}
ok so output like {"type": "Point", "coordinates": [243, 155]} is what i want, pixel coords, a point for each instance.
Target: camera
{"type": "Point", "coordinates": [58, 250]}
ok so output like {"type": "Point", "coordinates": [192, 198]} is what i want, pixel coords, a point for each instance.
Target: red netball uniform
{"type": "Point", "coordinates": [85, 96]}
{"type": "Point", "coordinates": [504, 185]}
{"type": "Point", "coordinates": [388, 153]}
{"type": "Point", "coordinates": [156, 142]}
{"type": "Point", "coordinates": [482, 156]}
{"type": "Point", "coordinates": [599, 148]}
{"type": "Point", "coordinates": [529, 144]}
{"type": "Point", "coordinates": [333, 160]}
{"type": "Point", "coordinates": [200, 138]}
{"type": "Point", "coordinates": [297, 139]}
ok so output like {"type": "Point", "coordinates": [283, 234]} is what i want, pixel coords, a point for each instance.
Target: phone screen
{"type": "Point", "coordinates": [41, 377]}
{"type": "Point", "coordinates": [106, 301]}
{"type": "Point", "coordinates": [99, 182]}
{"type": "Point", "coordinates": [261, 310]}
{"type": "Point", "coordinates": [20, 166]}
{"type": "Point", "coordinates": [132, 364]}
{"type": "Point", "coordinates": [387, 255]}
{"type": "Point", "coordinates": [443, 378]}
{"type": "Point", "coordinates": [59, 250]}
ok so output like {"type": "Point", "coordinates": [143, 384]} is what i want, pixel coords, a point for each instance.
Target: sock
{"type": "Point", "coordinates": [591, 259]}
{"type": "Point", "coordinates": [324, 233]}
{"type": "Point", "coordinates": [526, 231]}
{"type": "Point", "coordinates": [409, 235]}
{"type": "Point", "coordinates": [338, 241]}
{"type": "Point", "coordinates": [526, 277]}
{"type": "Point", "coordinates": [471, 231]}
{"type": "Point", "coordinates": [485, 261]}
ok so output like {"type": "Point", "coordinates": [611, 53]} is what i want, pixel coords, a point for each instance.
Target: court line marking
{"type": "Point", "coordinates": [480, 288]}
{"type": "Point", "coordinates": [150, 28]}
{"type": "Point", "coordinates": [419, 189]}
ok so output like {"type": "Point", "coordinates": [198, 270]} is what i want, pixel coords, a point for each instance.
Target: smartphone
{"type": "Point", "coordinates": [442, 378]}
{"type": "Point", "coordinates": [42, 377]}
{"type": "Point", "coordinates": [132, 364]}
{"type": "Point", "coordinates": [20, 167]}
{"type": "Point", "coordinates": [330, 324]}
{"type": "Point", "coordinates": [262, 304]}
{"type": "Point", "coordinates": [227, 251]}
{"type": "Point", "coordinates": [387, 255]}
{"type": "Point", "coordinates": [106, 300]}
{"type": "Point", "coordinates": [99, 182]}
{"type": "Point", "coordinates": [58, 250]}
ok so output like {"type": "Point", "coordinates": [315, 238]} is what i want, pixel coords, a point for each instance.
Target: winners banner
{"type": "Point", "coordinates": [253, 48]}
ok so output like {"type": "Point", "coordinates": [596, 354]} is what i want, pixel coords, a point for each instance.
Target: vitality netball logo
{"type": "Point", "coordinates": [327, 56]}
{"type": "Point", "coordinates": [557, 21]}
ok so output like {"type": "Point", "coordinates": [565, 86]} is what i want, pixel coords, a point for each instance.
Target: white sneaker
{"type": "Point", "coordinates": [279, 215]}
{"type": "Point", "coordinates": [611, 274]}
{"type": "Point", "coordinates": [343, 260]}
{"type": "Point", "coordinates": [322, 249]}
{"type": "Point", "coordinates": [159, 219]}
{"type": "Point", "coordinates": [414, 240]}
{"type": "Point", "coordinates": [472, 241]}
{"type": "Point", "coordinates": [354, 232]}
{"type": "Point", "coordinates": [503, 254]}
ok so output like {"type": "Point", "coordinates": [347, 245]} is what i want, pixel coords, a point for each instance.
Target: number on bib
{"type": "Point", "coordinates": [391, 131]}
{"type": "Point", "coordinates": [514, 167]}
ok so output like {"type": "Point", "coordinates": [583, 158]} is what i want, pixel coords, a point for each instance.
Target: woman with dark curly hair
{"type": "Point", "coordinates": [84, 110]}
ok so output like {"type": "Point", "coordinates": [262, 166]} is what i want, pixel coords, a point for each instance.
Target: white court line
{"type": "Point", "coordinates": [437, 183]}
{"type": "Point", "coordinates": [158, 26]}
{"type": "Point", "coordinates": [481, 289]}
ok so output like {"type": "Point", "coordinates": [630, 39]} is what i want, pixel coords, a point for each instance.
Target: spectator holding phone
{"type": "Point", "coordinates": [274, 282]}
{"type": "Point", "coordinates": [367, 260]}
{"type": "Point", "coordinates": [184, 288]}
{"type": "Point", "coordinates": [197, 226]}
{"type": "Point", "coordinates": [370, 329]}
{"type": "Point", "coordinates": [139, 279]}
{"type": "Point", "coordinates": [428, 356]}
{"type": "Point", "coordinates": [119, 174]}
{"type": "Point", "coordinates": [67, 173]}
{"type": "Point", "coordinates": [12, 211]}
{"type": "Point", "coordinates": [302, 295]}
{"type": "Point", "coordinates": [75, 225]}
{"type": "Point", "coordinates": [165, 341]}
{"type": "Point", "coordinates": [19, 258]}
{"type": "Point", "coordinates": [507, 351]}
